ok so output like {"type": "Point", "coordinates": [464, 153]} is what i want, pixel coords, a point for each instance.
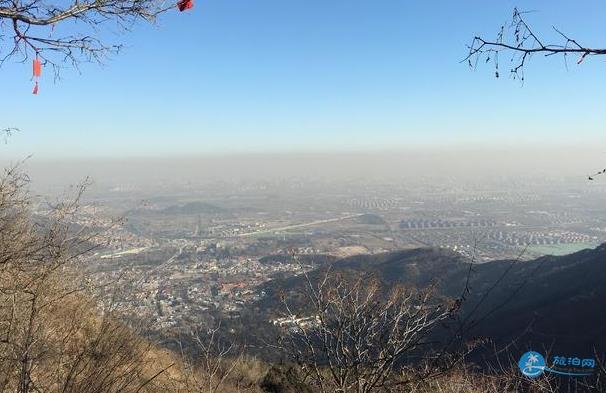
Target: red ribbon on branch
{"type": "Point", "coordinates": [37, 72]}
{"type": "Point", "coordinates": [183, 5]}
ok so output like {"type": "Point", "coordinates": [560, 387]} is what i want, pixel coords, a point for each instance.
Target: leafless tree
{"type": "Point", "coordinates": [53, 338]}
{"type": "Point", "coordinates": [214, 362]}
{"type": "Point", "coordinates": [518, 40]}
{"type": "Point", "coordinates": [69, 31]}
{"type": "Point", "coordinates": [356, 338]}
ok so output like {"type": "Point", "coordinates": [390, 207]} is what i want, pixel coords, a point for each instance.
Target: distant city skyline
{"type": "Point", "coordinates": [278, 77]}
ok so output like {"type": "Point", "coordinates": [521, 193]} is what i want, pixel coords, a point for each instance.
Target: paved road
{"type": "Point", "coordinates": [295, 226]}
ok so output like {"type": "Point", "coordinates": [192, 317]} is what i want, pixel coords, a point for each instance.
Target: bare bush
{"type": "Point", "coordinates": [214, 362]}
{"type": "Point", "coordinates": [464, 379]}
{"type": "Point", "coordinates": [357, 338]}
{"type": "Point", "coordinates": [53, 338]}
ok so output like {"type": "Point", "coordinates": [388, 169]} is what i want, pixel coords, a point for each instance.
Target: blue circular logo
{"type": "Point", "coordinates": [532, 364]}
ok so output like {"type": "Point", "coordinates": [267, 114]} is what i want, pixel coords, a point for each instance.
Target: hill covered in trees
{"type": "Point", "coordinates": [552, 301]}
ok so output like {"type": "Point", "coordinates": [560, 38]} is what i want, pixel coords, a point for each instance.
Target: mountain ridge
{"type": "Point", "coordinates": [548, 302]}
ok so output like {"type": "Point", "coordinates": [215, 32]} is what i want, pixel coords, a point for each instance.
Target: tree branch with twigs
{"type": "Point", "coordinates": [69, 31]}
{"type": "Point", "coordinates": [518, 39]}
{"type": "Point", "coordinates": [7, 132]}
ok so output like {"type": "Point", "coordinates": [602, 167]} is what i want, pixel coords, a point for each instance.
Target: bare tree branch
{"type": "Point", "coordinates": [7, 133]}
{"type": "Point", "coordinates": [70, 31]}
{"type": "Point", "coordinates": [519, 40]}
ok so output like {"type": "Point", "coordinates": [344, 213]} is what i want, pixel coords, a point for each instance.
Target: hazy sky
{"type": "Point", "coordinates": [312, 75]}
